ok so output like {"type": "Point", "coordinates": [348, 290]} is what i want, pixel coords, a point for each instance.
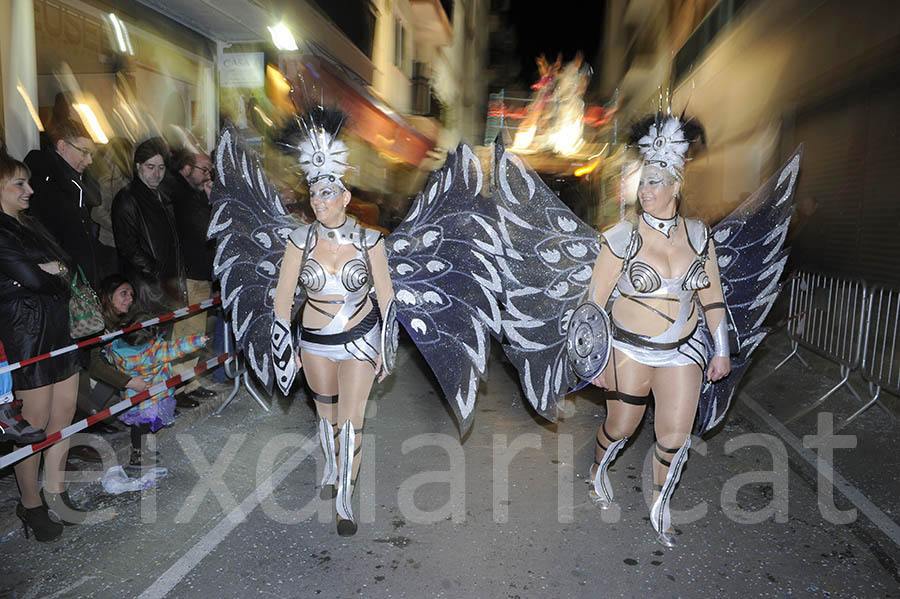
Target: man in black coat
{"type": "Point", "coordinates": [64, 194]}
{"type": "Point", "coordinates": [189, 190]}
{"type": "Point", "coordinates": [145, 235]}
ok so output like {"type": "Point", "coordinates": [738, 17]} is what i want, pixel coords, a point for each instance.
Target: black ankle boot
{"type": "Point", "coordinates": [38, 519]}
{"type": "Point", "coordinates": [64, 508]}
{"type": "Point", "coordinates": [346, 528]}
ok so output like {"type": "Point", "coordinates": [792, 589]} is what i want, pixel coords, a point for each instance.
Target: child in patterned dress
{"type": "Point", "coordinates": [146, 353]}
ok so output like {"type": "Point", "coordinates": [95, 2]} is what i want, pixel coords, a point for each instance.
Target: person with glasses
{"type": "Point", "coordinates": [188, 190]}
{"type": "Point", "coordinates": [64, 194]}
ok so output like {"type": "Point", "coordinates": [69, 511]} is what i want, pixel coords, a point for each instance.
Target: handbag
{"type": "Point", "coordinates": [85, 315]}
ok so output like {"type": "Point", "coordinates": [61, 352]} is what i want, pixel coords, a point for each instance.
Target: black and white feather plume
{"type": "Point", "coordinates": [313, 138]}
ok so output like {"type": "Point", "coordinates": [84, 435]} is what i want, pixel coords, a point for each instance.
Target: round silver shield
{"type": "Point", "coordinates": [390, 331]}
{"type": "Point", "coordinates": [588, 340]}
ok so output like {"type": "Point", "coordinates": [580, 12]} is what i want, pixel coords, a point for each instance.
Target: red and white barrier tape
{"type": "Point", "coordinates": [24, 452]}
{"type": "Point", "coordinates": [204, 305]}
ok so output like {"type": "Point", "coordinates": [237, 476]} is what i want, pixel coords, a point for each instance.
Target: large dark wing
{"type": "Point", "coordinates": [443, 269]}
{"type": "Point", "coordinates": [546, 268]}
{"type": "Point", "coordinates": [250, 227]}
{"type": "Point", "coordinates": [751, 255]}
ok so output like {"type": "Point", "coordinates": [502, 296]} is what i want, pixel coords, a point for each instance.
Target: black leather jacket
{"type": "Point", "coordinates": [62, 202]}
{"type": "Point", "coordinates": [147, 242]}
{"type": "Point", "coordinates": [34, 309]}
{"type": "Point", "coordinates": [21, 250]}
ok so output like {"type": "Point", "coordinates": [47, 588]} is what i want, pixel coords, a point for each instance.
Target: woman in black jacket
{"type": "Point", "coordinates": [144, 229]}
{"type": "Point", "coordinates": [34, 319]}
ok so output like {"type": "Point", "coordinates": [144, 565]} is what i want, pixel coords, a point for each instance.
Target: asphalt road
{"type": "Point", "coordinates": [502, 513]}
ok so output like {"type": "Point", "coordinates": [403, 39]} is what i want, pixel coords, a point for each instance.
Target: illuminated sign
{"type": "Point", "coordinates": [242, 69]}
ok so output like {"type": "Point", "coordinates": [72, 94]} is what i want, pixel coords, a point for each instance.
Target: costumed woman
{"type": "Point", "coordinates": [653, 271]}
{"type": "Point", "coordinates": [337, 262]}
{"type": "Point", "coordinates": [685, 314]}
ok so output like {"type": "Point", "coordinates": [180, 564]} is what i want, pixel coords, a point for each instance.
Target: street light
{"type": "Point", "coordinates": [283, 38]}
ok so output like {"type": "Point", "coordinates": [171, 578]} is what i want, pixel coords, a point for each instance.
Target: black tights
{"type": "Point", "coordinates": [138, 431]}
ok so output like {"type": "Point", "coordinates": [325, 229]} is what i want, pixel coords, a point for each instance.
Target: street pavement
{"type": "Point", "coordinates": [501, 513]}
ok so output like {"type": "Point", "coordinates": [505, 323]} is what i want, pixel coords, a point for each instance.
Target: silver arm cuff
{"type": "Point", "coordinates": [389, 337]}
{"type": "Point", "coordinates": [283, 354]}
{"type": "Point", "coordinates": [721, 347]}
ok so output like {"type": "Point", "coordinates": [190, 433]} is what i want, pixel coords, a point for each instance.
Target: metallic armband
{"type": "Point", "coordinates": [283, 354]}
{"type": "Point", "coordinates": [389, 338]}
{"type": "Point", "coordinates": [725, 339]}
{"type": "Point", "coordinates": [588, 340]}
{"type": "Point", "coordinates": [721, 347]}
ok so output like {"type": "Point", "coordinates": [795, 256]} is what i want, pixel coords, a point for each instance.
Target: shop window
{"type": "Point", "coordinates": [399, 44]}
{"type": "Point", "coordinates": [124, 70]}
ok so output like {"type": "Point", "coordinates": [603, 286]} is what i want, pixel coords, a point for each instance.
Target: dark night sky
{"type": "Point", "coordinates": [556, 26]}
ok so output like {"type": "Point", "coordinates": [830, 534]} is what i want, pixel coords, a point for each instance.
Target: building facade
{"type": "Point", "coordinates": [408, 72]}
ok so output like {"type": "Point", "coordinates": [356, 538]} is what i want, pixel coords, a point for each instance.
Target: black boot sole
{"type": "Point", "coordinates": [346, 528]}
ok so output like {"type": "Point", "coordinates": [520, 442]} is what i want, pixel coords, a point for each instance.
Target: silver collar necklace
{"type": "Point", "coordinates": [661, 225]}
{"type": "Point", "coordinates": [343, 234]}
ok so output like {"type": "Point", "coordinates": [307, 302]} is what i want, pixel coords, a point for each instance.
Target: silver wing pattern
{"type": "Point", "coordinates": [250, 227]}
{"type": "Point", "coordinates": [751, 255]}
{"type": "Point", "coordinates": [442, 260]}
{"type": "Point", "coordinates": [546, 264]}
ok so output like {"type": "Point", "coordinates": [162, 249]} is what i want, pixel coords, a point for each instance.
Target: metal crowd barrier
{"type": "Point", "coordinates": [881, 347]}
{"type": "Point", "coordinates": [826, 315]}
{"type": "Point", "coordinates": [236, 370]}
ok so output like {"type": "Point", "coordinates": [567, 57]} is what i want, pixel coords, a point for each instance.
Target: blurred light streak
{"type": "Point", "coordinates": [277, 80]}
{"type": "Point", "coordinates": [122, 38]}
{"type": "Point", "coordinates": [567, 139]}
{"type": "Point", "coordinates": [594, 162]}
{"type": "Point", "coordinates": [263, 116]}
{"type": "Point", "coordinates": [28, 104]}
{"type": "Point", "coordinates": [283, 38]}
{"type": "Point", "coordinates": [631, 176]}
{"type": "Point", "coordinates": [91, 122]}
{"type": "Point", "coordinates": [524, 138]}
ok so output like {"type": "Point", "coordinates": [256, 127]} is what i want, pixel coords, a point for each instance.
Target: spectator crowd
{"type": "Point", "coordinates": [133, 220]}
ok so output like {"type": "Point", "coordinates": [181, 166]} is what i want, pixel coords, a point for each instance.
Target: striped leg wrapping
{"type": "Point", "coordinates": [326, 438]}
{"type": "Point", "coordinates": [344, 492]}
{"type": "Point", "coordinates": [659, 513]}
{"type": "Point", "coordinates": [601, 484]}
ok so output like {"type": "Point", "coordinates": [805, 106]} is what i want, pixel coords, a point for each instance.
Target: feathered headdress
{"type": "Point", "coordinates": [313, 137]}
{"type": "Point", "coordinates": [664, 140]}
